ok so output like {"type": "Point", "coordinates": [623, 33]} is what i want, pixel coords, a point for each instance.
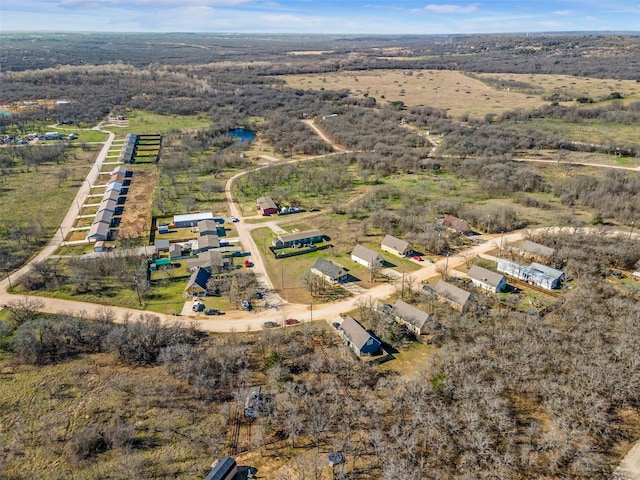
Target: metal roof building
{"type": "Point", "coordinates": [191, 219]}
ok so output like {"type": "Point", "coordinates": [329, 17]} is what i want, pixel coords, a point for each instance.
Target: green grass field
{"type": "Point", "coordinates": [147, 122]}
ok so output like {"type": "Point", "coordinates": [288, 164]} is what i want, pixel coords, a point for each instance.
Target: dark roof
{"type": "Point", "coordinates": [365, 254]}
{"type": "Point", "coordinates": [410, 314]}
{"type": "Point", "coordinates": [452, 293]}
{"type": "Point", "coordinates": [536, 249]}
{"type": "Point", "coordinates": [356, 333]}
{"type": "Point", "coordinates": [485, 276]}
{"type": "Point", "coordinates": [221, 469]}
{"type": "Point", "coordinates": [395, 243]}
{"type": "Point", "coordinates": [328, 268]}
{"type": "Point", "coordinates": [199, 277]}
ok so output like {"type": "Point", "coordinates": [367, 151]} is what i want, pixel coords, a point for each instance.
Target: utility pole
{"type": "Point", "coordinates": [633, 222]}
{"type": "Point", "coordinates": [500, 249]}
{"type": "Point", "coordinates": [135, 282]}
{"type": "Point", "coordinates": [311, 310]}
{"type": "Point", "coordinates": [402, 291]}
{"type": "Point", "coordinates": [446, 266]}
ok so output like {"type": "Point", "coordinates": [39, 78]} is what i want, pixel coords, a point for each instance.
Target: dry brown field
{"type": "Point", "coordinates": [458, 93]}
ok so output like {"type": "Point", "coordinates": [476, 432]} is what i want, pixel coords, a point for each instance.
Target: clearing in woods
{"type": "Point", "coordinates": [460, 94]}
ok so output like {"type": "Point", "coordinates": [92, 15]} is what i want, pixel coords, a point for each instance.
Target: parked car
{"type": "Point", "coordinates": [248, 264]}
{"type": "Point", "coordinates": [417, 258]}
{"type": "Point", "coordinates": [291, 321]}
{"type": "Point", "coordinates": [235, 219]}
{"type": "Point", "coordinates": [270, 325]}
{"type": "Point", "coordinates": [314, 209]}
{"type": "Point", "coordinates": [198, 307]}
{"type": "Point", "coordinates": [213, 311]}
{"type": "Point", "coordinates": [245, 304]}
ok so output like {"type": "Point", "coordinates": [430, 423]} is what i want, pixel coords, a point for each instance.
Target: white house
{"type": "Point", "coordinates": [486, 279]}
{"type": "Point", "coordinates": [366, 257]}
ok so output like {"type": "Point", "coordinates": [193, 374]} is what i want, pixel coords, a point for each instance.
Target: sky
{"type": "Point", "coordinates": [320, 16]}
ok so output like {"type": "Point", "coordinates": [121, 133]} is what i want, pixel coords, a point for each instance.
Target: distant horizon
{"type": "Point", "coordinates": [353, 34]}
{"type": "Point", "coordinates": [321, 17]}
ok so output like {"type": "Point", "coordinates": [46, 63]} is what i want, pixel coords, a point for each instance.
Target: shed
{"type": "Point", "coordinates": [396, 246]}
{"type": "Point", "coordinates": [266, 205]}
{"type": "Point", "coordinates": [162, 245]}
{"type": "Point", "coordinates": [191, 219]}
{"type": "Point", "coordinates": [413, 318]}
{"type": "Point", "coordinates": [358, 338]}
{"type": "Point", "coordinates": [175, 250]}
{"type": "Point", "coordinates": [456, 297]}
{"type": "Point", "coordinates": [329, 271]}
{"type": "Point", "coordinates": [99, 247]}
{"type": "Point", "coordinates": [486, 279]}
{"type": "Point", "coordinates": [366, 257]}
{"type": "Point", "coordinates": [163, 229]}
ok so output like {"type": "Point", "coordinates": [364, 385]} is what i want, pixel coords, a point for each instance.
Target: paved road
{"type": "Point", "coordinates": [629, 468]}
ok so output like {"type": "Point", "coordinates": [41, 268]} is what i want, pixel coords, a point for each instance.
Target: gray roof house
{"type": "Point", "coordinates": [207, 242]}
{"type": "Point", "coordinates": [98, 231]}
{"type": "Point", "coordinates": [115, 185]}
{"type": "Point", "coordinates": [110, 205]}
{"type": "Point", "coordinates": [358, 338]}
{"type": "Point", "coordinates": [456, 297]}
{"type": "Point", "coordinates": [308, 237]}
{"type": "Point", "coordinates": [366, 257]}
{"type": "Point", "coordinates": [486, 279]}
{"type": "Point", "coordinates": [207, 227]}
{"type": "Point", "coordinates": [111, 195]}
{"type": "Point", "coordinates": [211, 260]}
{"type": "Point", "coordinates": [104, 216]}
{"type": "Point", "coordinates": [395, 246]}
{"type": "Point", "coordinates": [331, 272]}
{"type": "Point", "coordinates": [529, 248]}
{"type": "Point", "coordinates": [413, 318]}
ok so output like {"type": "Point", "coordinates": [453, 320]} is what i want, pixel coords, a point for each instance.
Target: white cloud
{"type": "Point", "coordinates": [562, 12]}
{"type": "Point", "coordinates": [448, 8]}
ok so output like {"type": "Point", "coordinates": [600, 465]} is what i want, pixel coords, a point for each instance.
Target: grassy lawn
{"type": "Point", "coordinates": [147, 122]}
{"type": "Point", "coordinates": [84, 135]}
{"type": "Point", "coordinates": [588, 131]}
{"type": "Point", "coordinates": [409, 360]}
{"type": "Point", "coordinates": [45, 205]}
